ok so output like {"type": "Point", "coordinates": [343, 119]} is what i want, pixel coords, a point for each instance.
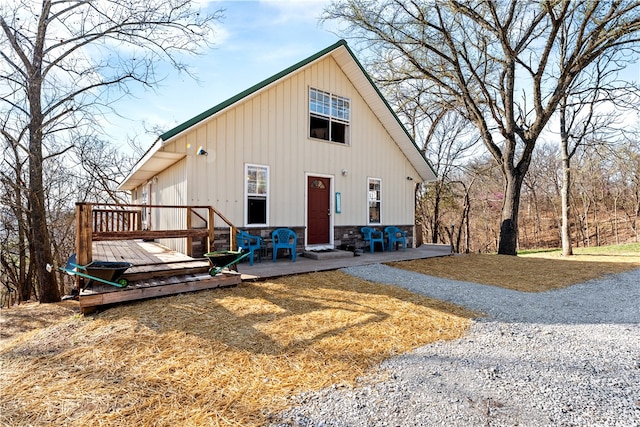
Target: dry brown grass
{"type": "Point", "coordinates": [531, 273]}
{"type": "Point", "coordinates": [32, 316]}
{"type": "Point", "coordinates": [221, 357]}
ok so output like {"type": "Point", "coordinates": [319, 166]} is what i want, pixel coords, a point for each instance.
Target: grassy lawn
{"type": "Point", "coordinates": [629, 251]}
{"type": "Point", "coordinates": [232, 356]}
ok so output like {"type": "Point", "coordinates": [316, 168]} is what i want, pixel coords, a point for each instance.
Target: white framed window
{"type": "Point", "coordinates": [374, 195]}
{"type": "Point", "coordinates": [329, 116]}
{"type": "Point", "coordinates": [256, 194]}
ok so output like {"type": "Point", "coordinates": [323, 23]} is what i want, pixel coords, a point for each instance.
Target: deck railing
{"type": "Point", "coordinates": [110, 221]}
{"type": "Point", "coordinates": [106, 220]}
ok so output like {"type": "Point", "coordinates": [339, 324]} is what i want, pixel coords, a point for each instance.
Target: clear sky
{"type": "Point", "coordinates": [254, 41]}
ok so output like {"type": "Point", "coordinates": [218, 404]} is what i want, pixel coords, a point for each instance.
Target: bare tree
{"type": "Point", "coordinates": [628, 163]}
{"type": "Point", "coordinates": [448, 143]}
{"type": "Point", "coordinates": [64, 63]}
{"type": "Point", "coordinates": [493, 62]}
{"type": "Point", "coordinates": [103, 166]}
{"type": "Point", "coordinates": [541, 190]}
{"type": "Point", "coordinates": [14, 224]}
{"type": "Point", "coordinates": [445, 137]}
{"type": "Point", "coordinates": [482, 181]}
{"type": "Point", "coordinates": [589, 113]}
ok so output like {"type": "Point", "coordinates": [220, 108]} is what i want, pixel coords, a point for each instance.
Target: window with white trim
{"type": "Point", "coordinates": [257, 194]}
{"type": "Point", "coordinates": [375, 200]}
{"type": "Point", "coordinates": [329, 116]}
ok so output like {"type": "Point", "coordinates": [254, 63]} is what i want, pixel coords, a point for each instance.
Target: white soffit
{"type": "Point", "coordinates": [149, 166]}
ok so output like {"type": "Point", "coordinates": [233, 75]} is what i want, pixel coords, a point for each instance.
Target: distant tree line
{"type": "Point", "coordinates": [605, 201]}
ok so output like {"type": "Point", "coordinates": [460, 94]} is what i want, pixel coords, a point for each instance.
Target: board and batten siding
{"type": "Point", "coordinates": [270, 127]}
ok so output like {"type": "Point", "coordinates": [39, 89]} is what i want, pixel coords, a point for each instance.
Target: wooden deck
{"type": "Point", "coordinates": [149, 258]}
{"type": "Point", "coordinates": [115, 233]}
{"type": "Point", "coordinates": [157, 271]}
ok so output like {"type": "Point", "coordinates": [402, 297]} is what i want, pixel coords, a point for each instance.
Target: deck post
{"type": "Point", "coordinates": [210, 241]}
{"type": "Point", "coordinates": [189, 250]}
{"type": "Point", "coordinates": [84, 231]}
{"type": "Point", "coordinates": [417, 236]}
{"type": "Point", "coordinates": [233, 244]}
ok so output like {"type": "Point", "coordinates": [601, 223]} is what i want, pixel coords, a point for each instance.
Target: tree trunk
{"type": "Point", "coordinates": [587, 231]}
{"type": "Point", "coordinates": [46, 282]}
{"type": "Point", "coordinates": [565, 190]}
{"type": "Point", "coordinates": [465, 220]}
{"type": "Point", "coordinates": [436, 213]}
{"type": "Point", "coordinates": [635, 221]}
{"type": "Point", "coordinates": [24, 280]}
{"type": "Point", "coordinates": [615, 219]}
{"type": "Point", "coordinates": [537, 221]}
{"type": "Point", "coordinates": [508, 244]}
{"type": "Point", "coordinates": [567, 249]}
{"type": "Point", "coordinates": [450, 233]}
{"type": "Point", "coordinates": [40, 243]}
{"type": "Point", "coordinates": [596, 222]}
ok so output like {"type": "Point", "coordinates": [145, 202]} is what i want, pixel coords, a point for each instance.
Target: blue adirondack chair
{"type": "Point", "coordinates": [372, 235]}
{"type": "Point", "coordinates": [284, 238]}
{"type": "Point", "coordinates": [247, 242]}
{"type": "Point", "coordinates": [394, 234]}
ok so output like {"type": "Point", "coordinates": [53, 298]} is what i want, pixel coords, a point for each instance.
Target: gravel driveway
{"type": "Point", "coordinates": [568, 357]}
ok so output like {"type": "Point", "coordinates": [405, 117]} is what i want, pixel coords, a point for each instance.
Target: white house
{"type": "Point", "coordinates": [315, 148]}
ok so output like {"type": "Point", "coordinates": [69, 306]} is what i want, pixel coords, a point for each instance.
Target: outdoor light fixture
{"type": "Point", "coordinates": [201, 152]}
{"type": "Point", "coordinates": [409, 178]}
{"type": "Point", "coordinates": [345, 172]}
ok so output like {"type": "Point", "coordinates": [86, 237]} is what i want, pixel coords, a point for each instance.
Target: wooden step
{"type": "Point", "coordinates": [91, 299]}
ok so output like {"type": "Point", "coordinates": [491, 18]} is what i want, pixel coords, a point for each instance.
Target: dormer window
{"type": "Point", "coordinates": [329, 116]}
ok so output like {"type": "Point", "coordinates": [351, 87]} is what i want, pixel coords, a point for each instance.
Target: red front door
{"type": "Point", "coordinates": [318, 210]}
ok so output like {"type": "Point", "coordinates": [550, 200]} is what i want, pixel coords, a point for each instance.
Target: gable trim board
{"type": "Point", "coordinates": [155, 161]}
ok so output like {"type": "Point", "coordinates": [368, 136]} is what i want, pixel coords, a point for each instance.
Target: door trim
{"type": "Point", "coordinates": [306, 213]}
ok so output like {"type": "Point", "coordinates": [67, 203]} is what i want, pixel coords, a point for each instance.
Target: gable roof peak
{"type": "Point", "coordinates": [346, 59]}
{"type": "Point", "coordinates": [258, 86]}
